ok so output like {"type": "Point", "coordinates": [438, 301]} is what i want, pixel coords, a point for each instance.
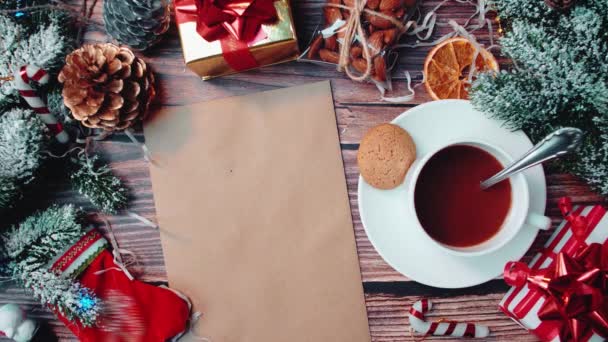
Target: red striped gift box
{"type": "Point", "coordinates": [523, 303]}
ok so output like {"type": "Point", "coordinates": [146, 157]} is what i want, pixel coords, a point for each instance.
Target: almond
{"type": "Point", "coordinates": [390, 5]}
{"type": "Point", "coordinates": [355, 51]}
{"type": "Point", "coordinates": [332, 14]}
{"type": "Point", "coordinates": [360, 64]}
{"type": "Point", "coordinates": [376, 41]}
{"type": "Point", "coordinates": [380, 22]}
{"type": "Point", "coordinates": [346, 14]}
{"type": "Point", "coordinates": [331, 43]}
{"type": "Point", "coordinates": [315, 47]}
{"type": "Point", "coordinates": [379, 69]}
{"type": "Point", "coordinates": [350, 4]}
{"type": "Point", "coordinates": [372, 4]}
{"type": "Point", "coordinates": [329, 56]}
{"type": "Point", "coordinates": [399, 13]}
{"type": "Point", "coordinates": [390, 36]}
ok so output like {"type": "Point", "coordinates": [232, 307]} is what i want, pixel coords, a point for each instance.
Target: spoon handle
{"type": "Point", "coordinates": [556, 144]}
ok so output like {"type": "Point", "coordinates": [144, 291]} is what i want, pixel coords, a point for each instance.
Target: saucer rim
{"type": "Point", "coordinates": [539, 187]}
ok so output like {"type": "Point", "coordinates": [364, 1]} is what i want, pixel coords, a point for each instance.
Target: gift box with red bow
{"type": "Point", "coordinates": [221, 37]}
{"type": "Point", "coordinates": [562, 294]}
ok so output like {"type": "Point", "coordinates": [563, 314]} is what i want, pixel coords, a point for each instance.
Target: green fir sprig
{"type": "Point", "coordinates": [42, 236]}
{"type": "Point", "coordinates": [559, 78]}
{"type": "Point", "coordinates": [94, 180]}
{"type": "Point", "coordinates": [9, 192]}
{"type": "Point", "coordinates": [45, 47]}
{"type": "Point", "coordinates": [27, 250]}
{"type": "Point", "coordinates": [23, 138]}
{"type": "Point", "coordinates": [70, 298]}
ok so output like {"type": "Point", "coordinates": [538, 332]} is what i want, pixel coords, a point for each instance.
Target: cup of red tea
{"type": "Point", "coordinates": [443, 189]}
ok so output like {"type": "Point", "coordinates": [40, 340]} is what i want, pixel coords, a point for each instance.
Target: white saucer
{"type": "Point", "coordinates": [389, 225]}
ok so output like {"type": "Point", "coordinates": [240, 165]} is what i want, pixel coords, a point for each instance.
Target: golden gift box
{"type": "Point", "coordinates": [234, 41]}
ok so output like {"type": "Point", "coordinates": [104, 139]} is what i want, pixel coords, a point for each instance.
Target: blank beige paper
{"type": "Point", "coordinates": [254, 214]}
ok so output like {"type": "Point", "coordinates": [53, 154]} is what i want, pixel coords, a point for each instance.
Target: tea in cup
{"type": "Point", "coordinates": [451, 208]}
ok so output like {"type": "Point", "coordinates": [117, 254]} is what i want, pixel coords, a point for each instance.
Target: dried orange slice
{"type": "Point", "coordinates": [447, 66]}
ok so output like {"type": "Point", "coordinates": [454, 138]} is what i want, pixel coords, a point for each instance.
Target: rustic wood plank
{"type": "Point", "coordinates": [388, 317]}
{"type": "Point", "coordinates": [387, 314]}
{"type": "Point", "coordinates": [358, 107]}
{"type": "Point", "coordinates": [166, 60]}
{"type": "Point", "coordinates": [126, 159]}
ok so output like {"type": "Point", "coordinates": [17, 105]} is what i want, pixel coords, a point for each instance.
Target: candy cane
{"type": "Point", "coordinates": [22, 81]}
{"type": "Point", "coordinates": [446, 328]}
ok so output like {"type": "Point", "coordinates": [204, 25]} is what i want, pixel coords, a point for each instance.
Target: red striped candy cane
{"type": "Point", "coordinates": [445, 328]}
{"type": "Point", "coordinates": [23, 76]}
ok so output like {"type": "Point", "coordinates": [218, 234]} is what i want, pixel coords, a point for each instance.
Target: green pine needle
{"type": "Point", "coordinates": [56, 106]}
{"type": "Point", "coordinates": [9, 192]}
{"type": "Point", "coordinates": [68, 297]}
{"type": "Point", "coordinates": [96, 182]}
{"type": "Point", "coordinates": [44, 45]}
{"type": "Point", "coordinates": [42, 236]}
{"type": "Point", "coordinates": [29, 247]}
{"type": "Point", "coordinates": [560, 78]}
{"type": "Point", "coordinates": [23, 138]}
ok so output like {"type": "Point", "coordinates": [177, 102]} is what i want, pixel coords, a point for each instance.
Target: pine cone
{"type": "Point", "coordinates": [137, 23]}
{"type": "Point", "coordinates": [560, 4]}
{"type": "Point", "coordinates": [106, 86]}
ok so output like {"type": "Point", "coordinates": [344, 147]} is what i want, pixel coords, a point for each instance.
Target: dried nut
{"type": "Point", "coordinates": [399, 13]}
{"type": "Point", "coordinates": [315, 47]}
{"type": "Point", "coordinates": [379, 69]}
{"type": "Point", "coordinates": [355, 52]}
{"type": "Point", "coordinates": [372, 4]}
{"type": "Point", "coordinates": [346, 14]}
{"type": "Point", "coordinates": [389, 36]}
{"type": "Point", "coordinates": [329, 56]}
{"type": "Point", "coordinates": [360, 64]}
{"type": "Point", "coordinates": [376, 41]}
{"type": "Point", "coordinates": [380, 22]}
{"type": "Point", "coordinates": [332, 14]}
{"type": "Point", "coordinates": [371, 29]}
{"type": "Point", "coordinates": [331, 43]}
{"type": "Point", "coordinates": [390, 5]}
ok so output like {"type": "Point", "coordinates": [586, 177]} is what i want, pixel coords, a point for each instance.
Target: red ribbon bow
{"type": "Point", "coordinates": [240, 18]}
{"type": "Point", "coordinates": [233, 22]}
{"type": "Point", "coordinates": [576, 286]}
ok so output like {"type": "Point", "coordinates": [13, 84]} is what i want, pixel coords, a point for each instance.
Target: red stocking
{"type": "Point", "coordinates": [132, 310]}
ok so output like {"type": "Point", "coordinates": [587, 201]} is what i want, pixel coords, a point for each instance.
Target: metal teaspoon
{"type": "Point", "coordinates": [556, 144]}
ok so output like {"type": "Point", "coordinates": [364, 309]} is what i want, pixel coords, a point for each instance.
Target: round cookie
{"type": "Point", "coordinates": [386, 153]}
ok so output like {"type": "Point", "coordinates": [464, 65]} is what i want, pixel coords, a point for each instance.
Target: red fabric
{"type": "Point", "coordinates": [145, 313]}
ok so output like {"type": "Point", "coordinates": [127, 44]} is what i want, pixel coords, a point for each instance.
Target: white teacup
{"type": "Point", "coordinates": [519, 214]}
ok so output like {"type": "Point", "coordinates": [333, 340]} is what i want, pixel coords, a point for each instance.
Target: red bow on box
{"type": "Point", "coordinates": [233, 22]}
{"type": "Point", "coordinates": [576, 286]}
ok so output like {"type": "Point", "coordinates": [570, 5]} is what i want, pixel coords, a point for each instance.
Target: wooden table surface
{"type": "Point", "coordinates": [388, 294]}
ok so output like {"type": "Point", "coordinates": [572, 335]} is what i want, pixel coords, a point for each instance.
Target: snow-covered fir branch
{"type": "Point", "coordinates": [560, 78]}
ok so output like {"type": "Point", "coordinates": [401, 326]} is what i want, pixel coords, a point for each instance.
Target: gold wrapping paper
{"type": "Point", "coordinates": [206, 60]}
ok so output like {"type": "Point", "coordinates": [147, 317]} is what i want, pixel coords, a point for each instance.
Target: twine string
{"type": "Point", "coordinates": [352, 29]}
{"type": "Point", "coordinates": [117, 252]}
{"type": "Point", "coordinates": [144, 148]}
